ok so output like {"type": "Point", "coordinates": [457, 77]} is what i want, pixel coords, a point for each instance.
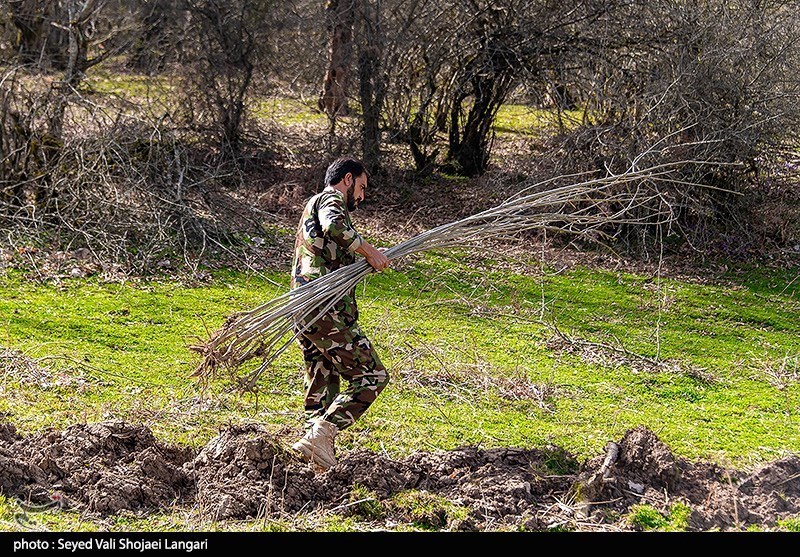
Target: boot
{"type": "Point", "coordinates": [317, 445]}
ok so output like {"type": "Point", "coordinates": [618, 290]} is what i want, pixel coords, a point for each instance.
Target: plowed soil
{"type": "Point", "coordinates": [100, 469]}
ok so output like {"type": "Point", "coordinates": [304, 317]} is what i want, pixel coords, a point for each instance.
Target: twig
{"type": "Point", "coordinates": [604, 346]}
{"type": "Point", "coordinates": [350, 504]}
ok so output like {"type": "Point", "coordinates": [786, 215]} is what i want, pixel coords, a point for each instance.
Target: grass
{"type": "Point", "coordinates": [649, 518]}
{"type": "Point", "coordinates": [790, 524]}
{"type": "Point", "coordinates": [512, 119]}
{"type": "Point", "coordinates": [524, 120]}
{"type": "Point", "coordinates": [478, 354]}
{"type": "Point", "coordinates": [427, 512]}
{"type": "Point", "coordinates": [286, 111]}
{"type": "Point", "coordinates": [473, 354]}
{"type": "Point", "coordinates": [13, 518]}
{"type": "Point", "coordinates": [130, 86]}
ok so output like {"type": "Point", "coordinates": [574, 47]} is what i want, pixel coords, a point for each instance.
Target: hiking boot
{"type": "Point", "coordinates": [317, 445]}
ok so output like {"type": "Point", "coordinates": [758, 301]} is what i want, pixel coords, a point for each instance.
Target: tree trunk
{"type": "Point", "coordinates": [232, 108]}
{"type": "Point", "coordinates": [472, 150]}
{"type": "Point", "coordinates": [77, 64]}
{"type": "Point", "coordinates": [333, 98]}
{"type": "Point", "coordinates": [372, 85]}
{"type": "Point", "coordinates": [470, 145]}
{"type": "Point", "coordinates": [148, 53]}
{"type": "Point", "coordinates": [39, 44]}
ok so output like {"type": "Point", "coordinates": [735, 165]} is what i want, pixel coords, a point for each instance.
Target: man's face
{"type": "Point", "coordinates": [356, 189]}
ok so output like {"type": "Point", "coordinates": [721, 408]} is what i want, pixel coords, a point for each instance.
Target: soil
{"type": "Point", "coordinates": [247, 472]}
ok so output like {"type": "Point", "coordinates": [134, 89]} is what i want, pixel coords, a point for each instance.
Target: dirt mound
{"type": "Point", "coordinates": [247, 472]}
{"type": "Point", "coordinates": [645, 472]}
{"type": "Point", "coordinates": [101, 468]}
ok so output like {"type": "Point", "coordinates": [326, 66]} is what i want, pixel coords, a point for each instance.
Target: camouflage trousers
{"type": "Point", "coordinates": [333, 349]}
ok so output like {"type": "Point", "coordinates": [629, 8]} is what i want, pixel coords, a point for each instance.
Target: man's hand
{"type": "Point", "coordinates": [374, 256]}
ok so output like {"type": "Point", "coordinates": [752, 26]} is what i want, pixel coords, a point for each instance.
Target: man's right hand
{"type": "Point", "coordinates": [374, 256]}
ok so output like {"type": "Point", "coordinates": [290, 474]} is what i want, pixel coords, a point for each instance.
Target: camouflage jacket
{"type": "Point", "coordinates": [326, 240]}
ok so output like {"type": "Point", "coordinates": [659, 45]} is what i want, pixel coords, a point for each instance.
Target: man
{"type": "Point", "coordinates": [334, 346]}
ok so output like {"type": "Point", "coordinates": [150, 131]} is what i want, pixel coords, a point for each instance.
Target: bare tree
{"type": "Point", "coordinates": [485, 79]}
{"type": "Point", "coordinates": [340, 15]}
{"type": "Point", "coordinates": [662, 81]}
{"type": "Point", "coordinates": [465, 58]}
{"type": "Point", "coordinates": [227, 40]}
{"type": "Point", "coordinates": [80, 23]}
{"type": "Point", "coordinates": [34, 111]}
{"type": "Point", "coordinates": [25, 148]}
{"type": "Point", "coordinates": [418, 55]}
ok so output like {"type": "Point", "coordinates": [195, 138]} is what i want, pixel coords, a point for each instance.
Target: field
{"type": "Point", "coordinates": [536, 384]}
{"type": "Point", "coordinates": [519, 371]}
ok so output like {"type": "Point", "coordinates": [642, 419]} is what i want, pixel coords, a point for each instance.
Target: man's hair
{"type": "Point", "coordinates": [341, 166]}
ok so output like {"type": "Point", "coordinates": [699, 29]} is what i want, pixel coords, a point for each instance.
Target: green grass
{"type": "Point", "coordinates": [426, 511]}
{"type": "Point", "coordinates": [284, 111]}
{"type": "Point", "coordinates": [13, 518]}
{"type": "Point", "coordinates": [287, 112]}
{"type": "Point", "coordinates": [129, 85]}
{"type": "Point", "coordinates": [473, 351]}
{"type": "Point", "coordinates": [470, 352]}
{"type": "Point", "coordinates": [121, 350]}
{"type": "Point", "coordinates": [525, 120]}
{"type": "Point", "coordinates": [649, 518]}
{"type": "Point", "coordinates": [790, 524]}
{"type": "Point", "coordinates": [513, 119]}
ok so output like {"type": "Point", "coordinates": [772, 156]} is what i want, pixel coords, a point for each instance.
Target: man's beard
{"type": "Point", "coordinates": [350, 198]}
